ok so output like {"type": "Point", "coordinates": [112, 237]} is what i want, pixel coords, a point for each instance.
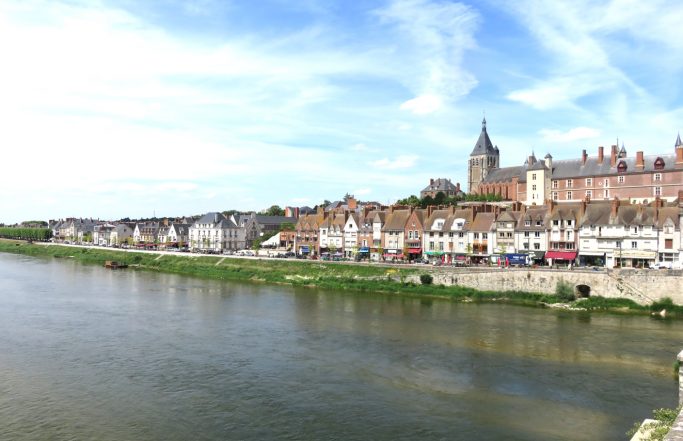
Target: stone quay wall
{"type": "Point", "coordinates": [641, 286]}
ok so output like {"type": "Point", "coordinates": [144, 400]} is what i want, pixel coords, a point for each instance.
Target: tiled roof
{"type": "Point", "coordinates": [396, 220]}
{"type": "Point", "coordinates": [483, 222]}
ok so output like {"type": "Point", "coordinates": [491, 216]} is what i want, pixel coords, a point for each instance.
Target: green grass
{"type": "Point", "coordinates": [334, 276]}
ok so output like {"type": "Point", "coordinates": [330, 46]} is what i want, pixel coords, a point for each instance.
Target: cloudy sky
{"type": "Point", "coordinates": [125, 108]}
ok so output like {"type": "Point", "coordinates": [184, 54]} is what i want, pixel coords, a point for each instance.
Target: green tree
{"type": "Point", "coordinates": [440, 198]}
{"type": "Point", "coordinates": [275, 210]}
{"type": "Point", "coordinates": [287, 226]}
{"type": "Point", "coordinates": [427, 201]}
{"type": "Point", "coordinates": [412, 201]}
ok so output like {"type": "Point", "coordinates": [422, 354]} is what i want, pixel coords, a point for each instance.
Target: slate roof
{"type": "Point", "coordinates": [597, 213]}
{"type": "Point", "coordinates": [262, 219]}
{"type": "Point", "coordinates": [505, 174]}
{"type": "Point", "coordinates": [484, 146]}
{"type": "Point", "coordinates": [573, 168]}
{"type": "Point", "coordinates": [533, 215]}
{"type": "Point", "coordinates": [668, 213]}
{"type": "Point", "coordinates": [440, 184]}
{"type": "Point", "coordinates": [218, 220]}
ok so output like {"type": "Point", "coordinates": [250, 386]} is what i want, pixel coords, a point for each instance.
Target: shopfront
{"type": "Point", "coordinates": [560, 258]}
{"type": "Point", "coordinates": [634, 258]}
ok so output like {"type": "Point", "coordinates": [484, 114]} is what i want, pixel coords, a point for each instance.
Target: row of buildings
{"type": "Point", "coordinates": [213, 232]}
{"type": "Point", "coordinates": [601, 233]}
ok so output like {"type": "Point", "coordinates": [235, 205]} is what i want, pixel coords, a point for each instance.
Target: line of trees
{"type": "Point", "coordinates": [442, 199]}
{"type": "Point", "coordinates": [26, 233]}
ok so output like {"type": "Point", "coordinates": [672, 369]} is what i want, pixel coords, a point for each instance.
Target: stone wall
{"type": "Point", "coordinates": [676, 433]}
{"type": "Point", "coordinates": [641, 286]}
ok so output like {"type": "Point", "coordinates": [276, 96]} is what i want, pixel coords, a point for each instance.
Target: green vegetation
{"type": "Point", "coordinates": [565, 291]}
{"type": "Point", "coordinates": [665, 419]}
{"type": "Point", "coordinates": [426, 279]}
{"type": "Point", "coordinates": [442, 199]}
{"type": "Point", "coordinates": [25, 233]}
{"type": "Point", "coordinates": [356, 277]}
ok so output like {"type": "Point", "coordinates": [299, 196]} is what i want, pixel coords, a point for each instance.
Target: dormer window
{"type": "Point", "coordinates": [659, 164]}
{"type": "Point", "coordinates": [621, 168]}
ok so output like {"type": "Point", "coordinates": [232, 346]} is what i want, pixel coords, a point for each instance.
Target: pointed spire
{"type": "Point", "coordinates": [483, 124]}
{"type": "Point", "coordinates": [678, 140]}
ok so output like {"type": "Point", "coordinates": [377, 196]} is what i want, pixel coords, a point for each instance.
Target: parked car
{"type": "Point", "coordinates": [661, 265]}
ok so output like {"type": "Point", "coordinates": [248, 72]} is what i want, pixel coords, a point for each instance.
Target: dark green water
{"type": "Point", "coordinates": [93, 354]}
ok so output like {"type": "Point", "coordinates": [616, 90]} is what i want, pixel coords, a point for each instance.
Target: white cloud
{"type": "Point", "coordinates": [362, 192]}
{"type": "Point", "coordinates": [401, 162]}
{"type": "Point", "coordinates": [434, 35]}
{"type": "Point", "coordinates": [575, 134]}
{"type": "Point", "coordinates": [422, 105]}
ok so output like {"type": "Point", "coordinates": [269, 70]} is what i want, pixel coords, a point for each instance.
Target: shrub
{"type": "Point", "coordinates": [426, 279]}
{"type": "Point", "coordinates": [565, 291]}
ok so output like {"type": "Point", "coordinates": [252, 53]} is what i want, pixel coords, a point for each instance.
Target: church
{"type": "Point", "coordinates": [605, 176]}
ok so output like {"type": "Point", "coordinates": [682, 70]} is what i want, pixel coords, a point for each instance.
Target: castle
{"type": "Point", "coordinates": [636, 178]}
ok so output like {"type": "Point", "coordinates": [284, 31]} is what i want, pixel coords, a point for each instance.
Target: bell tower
{"type": "Point", "coordinates": [484, 157]}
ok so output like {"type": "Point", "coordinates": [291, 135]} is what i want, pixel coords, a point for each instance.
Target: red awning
{"type": "Point", "coordinates": [561, 255]}
{"type": "Point", "coordinates": [414, 250]}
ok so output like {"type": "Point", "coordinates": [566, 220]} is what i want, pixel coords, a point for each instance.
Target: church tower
{"type": "Point", "coordinates": [483, 158]}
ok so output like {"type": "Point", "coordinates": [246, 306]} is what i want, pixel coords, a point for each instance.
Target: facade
{"type": "Point", "coordinates": [213, 232]}
{"type": "Point", "coordinates": [256, 225]}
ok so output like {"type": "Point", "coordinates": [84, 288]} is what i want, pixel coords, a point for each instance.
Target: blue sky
{"type": "Point", "coordinates": [125, 108]}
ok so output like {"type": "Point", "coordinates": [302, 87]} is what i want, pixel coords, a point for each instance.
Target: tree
{"type": "Point", "coordinates": [287, 226]}
{"type": "Point", "coordinates": [412, 201]}
{"type": "Point", "coordinates": [274, 210]}
{"type": "Point", "coordinates": [440, 198]}
{"type": "Point", "coordinates": [427, 201]}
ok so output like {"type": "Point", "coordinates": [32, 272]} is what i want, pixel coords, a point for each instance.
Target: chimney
{"type": "Point", "coordinates": [680, 198]}
{"type": "Point", "coordinates": [457, 187]}
{"type": "Point", "coordinates": [584, 204]}
{"type": "Point", "coordinates": [531, 160]}
{"type": "Point", "coordinates": [614, 207]}
{"type": "Point", "coordinates": [640, 162]}
{"type": "Point", "coordinates": [391, 209]}
{"type": "Point", "coordinates": [431, 182]}
{"type": "Point", "coordinates": [584, 157]}
{"type": "Point", "coordinates": [166, 222]}
{"type": "Point", "coordinates": [658, 205]}
{"type": "Point", "coordinates": [351, 202]}
{"type": "Point", "coordinates": [679, 155]}
{"type": "Point", "coordinates": [613, 156]}
{"type": "Point", "coordinates": [430, 210]}
{"type": "Point", "coordinates": [601, 154]}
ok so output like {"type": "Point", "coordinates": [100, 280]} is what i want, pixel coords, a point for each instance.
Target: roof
{"type": "Point", "coordinates": [440, 184]}
{"type": "Point", "coordinates": [533, 215]}
{"type": "Point", "coordinates": [265, 220]}
{"type": "Point", "coordinates": [483, 222]}
{"type": "Point", "coordinates": [484, 146]}
{"type": "Point", "coordinates": [678, 141]}
{"type": "Point", "coordinates": [396, 220]}
{"type": "Point", "coordinates": [509, 216]}
{"type": "Point", "coordinates": [597, 213]}
{"type": "Point", "coordinates": [504, 174]}
{"type": "Point", "coordinates": [217, 220]}
{"type": "Point", "coordinates": [572, 168]}
{"type": "Point", "coordinates": [436, 215]}
{"type": "Point", "coordinates": [666, 213]}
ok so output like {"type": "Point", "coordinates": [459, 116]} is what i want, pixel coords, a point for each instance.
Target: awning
{"type": "Point", "coordinates": [592, 253]}
{"type": "Point", "coordinates": [398, 256]}
{"type": "Point", "coordinates": [536, 254]}
{"type": "Point", "coordinates": [434, 253]}
{"type": "Point", "coordinates": [560, 255]}
{"type": "Point", "coordinates": [460, 257]}
{"type": "Point", "coordinates": [391, 252]}
{"type": "Point", "coordinates": [364, 250]}
{"type": "Point", "coordinates": [414, 250]}
{"type": "Point", "coordinates": [635, 254]}
{"type": "Point", "coordinates": [304, 248]}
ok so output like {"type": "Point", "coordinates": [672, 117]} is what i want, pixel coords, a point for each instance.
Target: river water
{"type": "Point", "coordinates": [93, 354]}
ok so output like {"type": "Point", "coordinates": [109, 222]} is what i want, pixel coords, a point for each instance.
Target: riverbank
{"type": "Point", "coordinates": [326, 275]}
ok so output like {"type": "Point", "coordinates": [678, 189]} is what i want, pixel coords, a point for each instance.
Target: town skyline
{"type": "Point", "coordinates": [117, 109]}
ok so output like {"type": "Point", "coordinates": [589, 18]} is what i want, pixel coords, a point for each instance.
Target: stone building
{"type": "Point", "coordinates": [484, 158]}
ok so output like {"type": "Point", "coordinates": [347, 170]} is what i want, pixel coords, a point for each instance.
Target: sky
{"type": "Point", "coordinates": [112, 109]}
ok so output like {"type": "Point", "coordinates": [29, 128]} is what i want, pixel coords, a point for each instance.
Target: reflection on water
{"type": "Point", "coordinates": [89, 353]}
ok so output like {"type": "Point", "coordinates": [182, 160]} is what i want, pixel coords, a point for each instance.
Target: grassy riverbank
{"type": "Point", "coordinates": [356, 277]}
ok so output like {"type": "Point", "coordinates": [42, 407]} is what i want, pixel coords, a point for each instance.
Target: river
{"type": "Point", "coordinates": [88, 353]}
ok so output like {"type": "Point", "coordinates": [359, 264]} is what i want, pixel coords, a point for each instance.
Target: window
{"type": "Point", "coordinates": [659, 164]}
{"type": "Point", "coordinates": [634, 244]}
{"type": "Point", "coordinates": [431, 245]}
{"type": "Point", "coordinates": [556, 222]}
{"type": "Point", "coordinates": [410, 234]}
{"type": "Point", "coordinates": [621, 168]}
{"type": "Point", "coordinates": [526, 234]}
{"type": "Point", "coordinates": [556, 184]}
{"type": "Point", "coordinates": [509, 235]}
{"type": "Point", "coordinates": [527, 223]}
{"type": "Point", "coordinates": [533, 176]}
{"type": "Point", "coordinates": [526, 246]}
{"type": "Point", "coordinates": [533, 187]}
{"type": "Point", "coordinates": [668, 243]}
{"type": "Point", "coordinates": [570, 183]}
{"type": "Point", "coordinates": [620, 179]}
{"type": "Point", "coordinates": [450, 234]}
{"type": "Point", "coordinates": [589, 182]}
{"type": "Point", "coordinates": [537, 246]}
{"type": "Point", "coordinates": [589, 193]}
{"type": "Point", "coordinates": [569, 195]}
{"type": "Point", "coordinates": [657, 177]}
{"type": "Point", "coordinates": [537, 234]}
{"type": "Point", "coordinates": [635, 230]}
{"type": "Point", "coordinates": [658, 191]}
{"type": "Point", "coordinates": [605, 194]}
{"type": "Point", "coordinates": [569, 245]}
{"type": "Point", "coordinates": [501, 234]}
{"type": "Point", "coordinates": [570, 222]}
{"type": "Point", "coordinates": [440, 246]}
{"type": "Point", "coordinates": [555, 196]}
{"type": "Point", "coordinates": [461, 235]}
{"type": "Point", "coordinates": [476, 235]}
{"type": "Point", "coordinates": [539, 223]}
{"type": "Point", "coordinates": [484, 236]}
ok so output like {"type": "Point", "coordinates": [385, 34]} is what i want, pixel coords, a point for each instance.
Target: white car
{"type": "Point", "coordinates": [662, 265]}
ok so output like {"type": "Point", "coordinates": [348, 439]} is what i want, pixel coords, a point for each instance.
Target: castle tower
{"type": "Point", "coordinates": [483, 158]}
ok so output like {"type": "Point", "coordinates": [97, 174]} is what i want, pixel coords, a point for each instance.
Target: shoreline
{"type": "Point", "coordinates": [360, 278]}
